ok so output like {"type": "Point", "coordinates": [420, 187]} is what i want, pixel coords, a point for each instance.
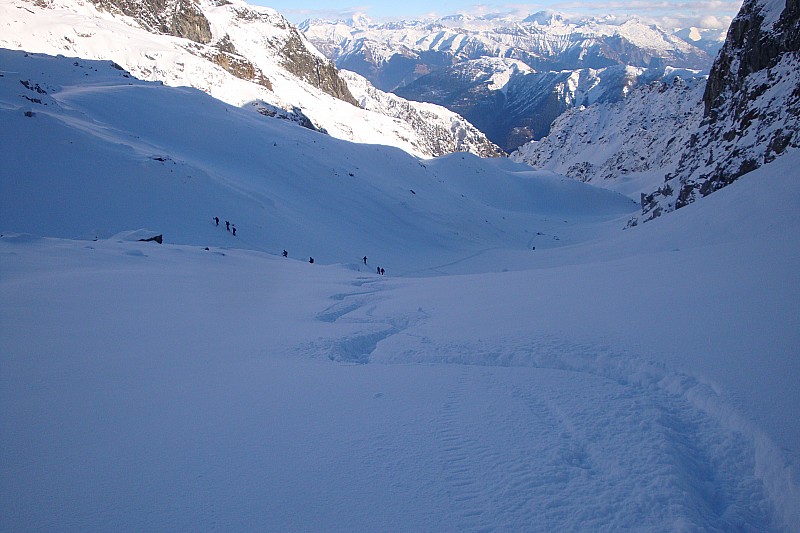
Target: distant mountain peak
{"type": "Point", "coordinates": [544, 18]}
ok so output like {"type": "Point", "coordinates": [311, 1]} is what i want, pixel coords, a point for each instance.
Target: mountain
{"type": "Point", "coordinates": [751, 106]}
{"type": "Point", "coordinates": [439, 135]}
{"type": "Point", "coordinates": [679, 141]}
{"type": "Point", "coordinates": [244, 55]}
{"type": "Point", "coordinates": [513, 104]}
{"type": "Point", "coordinates": [625, 145]}
{"type": "Point", "coordinates": [511, 78]}
{"type": "Point", "coordinates": [394, 54]}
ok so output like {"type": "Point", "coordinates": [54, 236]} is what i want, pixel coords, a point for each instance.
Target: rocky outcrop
{"type": "Point", "coordinates": [226, 56]}
{"type": "Point", "coordinates": [313, 69]}
{"type": "Point", "coordinates": [185, 19]}
{"type": "Point", "coordinates": [751, 107]}
{"type": "Point", "coordinates": [179, 18]}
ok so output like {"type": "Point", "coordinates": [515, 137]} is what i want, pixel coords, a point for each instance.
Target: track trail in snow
{"type": "Point", "coordinates": [534, 428]}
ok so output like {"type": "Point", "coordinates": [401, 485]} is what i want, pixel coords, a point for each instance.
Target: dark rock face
{"type": "Point", "coordinates": [754, 49]}
{"type": "Point", "coordinates": [227, 57]}
{"type": "Point", "coordinates": [315, 70]}
{"type": "Point", "coordinates": [752, 108]}
{"type": "Point", "coordinates": [182, 19]}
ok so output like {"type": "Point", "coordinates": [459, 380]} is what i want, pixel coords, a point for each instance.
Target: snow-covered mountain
{"type": "Point", "coordinates": [751, 106]}
{"type": "Point", "coordinates": [678, 141]}
{"type": "Point", "coordinates": [394, 54]}
{"type": "Point", "coordinates": [513, 104]}
{"type": "Point", "coordinates": [244, 55]}
{"type": "Point", "coordinates": [627, 145]}
{"type": "Point", "coordinates": [523, 364]}
{"type": "Point", "coordinates": [511, 78]}
{"type": "Point", "coordinates": [438, 136]}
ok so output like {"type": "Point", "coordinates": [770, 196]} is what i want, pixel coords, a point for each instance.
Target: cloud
{"type": "Point", "coordinates": [712, 14]}
{"type": "Point", "coordinates": [343, 13]}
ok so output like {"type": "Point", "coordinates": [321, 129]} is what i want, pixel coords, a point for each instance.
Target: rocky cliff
{"type": "Point", "coordinates": [751, 106]}
{"type": "Point", "coordinates": [186, 19]}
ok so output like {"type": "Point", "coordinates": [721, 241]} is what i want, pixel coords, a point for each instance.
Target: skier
{"type": "Point", "coordinates": [311, 260]}
{"type": "Point", "coordinates": [234, 231]}
{"type": "Point", "coordinates": [379, 270]}
{"type": "Point", "coordinates": [383, 272]}
{"type": "Point", "coordinates": [365, 259]}
{"type": "Point", "coordinates": [285, 253]}
{"type": "Point", "coordinates": [227, 225]}
{"type": "Point", "coordinates": [216, 220]}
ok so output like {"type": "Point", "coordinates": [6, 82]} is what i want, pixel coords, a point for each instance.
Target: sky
{"type": "Point", "coordinates": [715, 14]}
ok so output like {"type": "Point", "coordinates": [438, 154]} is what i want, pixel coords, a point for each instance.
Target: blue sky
{"type": "Point", "coordinates": [666, 12]}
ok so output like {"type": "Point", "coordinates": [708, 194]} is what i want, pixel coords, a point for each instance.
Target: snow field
{"type": "Point", "coordinates": [640, 379]}
{"type": "Point", "coordinates": [179, 391]}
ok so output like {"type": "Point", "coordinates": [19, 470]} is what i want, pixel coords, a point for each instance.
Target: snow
{"type": "Point", "coordinates": [642, 379]}
{"type": "Point", "coordinates": [79, 29]}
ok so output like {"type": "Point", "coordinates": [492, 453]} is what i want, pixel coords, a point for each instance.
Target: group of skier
{"type": "Point", "coordinates": [228, 226]}
{"type": "Point", "coordinates": [232, 228]}
{"type": "Point", "coordinates": [379, 269]}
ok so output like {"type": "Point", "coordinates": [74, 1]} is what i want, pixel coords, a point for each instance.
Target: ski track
{"type": "Point", "coordinates": [545, 438]}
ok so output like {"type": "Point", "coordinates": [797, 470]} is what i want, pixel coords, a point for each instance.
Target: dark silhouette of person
{"type": "Point", "coordinates": [227, 225]}
{"type": "Point", "coordinates": [216, 220]}
{"type": "Point", "coordinates": [285, 253]}
{"type": "Point", "coordinates": [383, 272]}
{"type": "Point", "coordinates": [234, 231]}
{"type": "Point", "coordinates": [379, 270]}
{"type": "Point", "coordinates": [311, 260]}
{"type": "Point", "coordinates": [365, 259]}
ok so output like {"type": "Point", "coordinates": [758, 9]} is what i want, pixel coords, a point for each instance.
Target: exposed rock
{"type": "Point", "coordinates": [179, 18]}
{"type": "Point", "coordinates": [295, 115]}
{"type": "Point", "coordinates": [313, 69]}
{"type": "Point", "coordinates": [227, 57]}
{"type": "Point", "coordinates": [752, 107]}
{"type": "Point", "coordinates": [155, 238]}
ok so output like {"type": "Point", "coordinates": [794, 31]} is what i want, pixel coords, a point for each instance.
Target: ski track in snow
{"type": "Point", "coordinates": [565, 427]}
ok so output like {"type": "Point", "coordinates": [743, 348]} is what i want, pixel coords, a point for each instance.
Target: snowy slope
{"type": "Point", "coordinates": [282, 185]}
{"type": "Point", "coordinates": [251, 55]}
{"type": "Point", "coordinates": [627, 145]}
{"type": "Point", "coordinates": [608, 380]}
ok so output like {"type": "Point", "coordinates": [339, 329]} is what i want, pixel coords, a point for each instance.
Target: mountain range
{"type": "Point", "coordinates": [511, 77]}
{"type": "Point", "coordinates": [677, 142]}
